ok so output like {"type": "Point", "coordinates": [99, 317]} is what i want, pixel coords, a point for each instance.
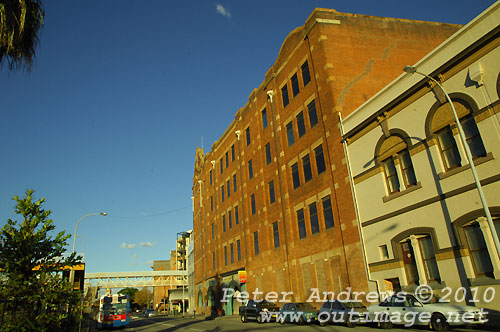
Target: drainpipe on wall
{"type": "Point", "coordinates": [356, 208]}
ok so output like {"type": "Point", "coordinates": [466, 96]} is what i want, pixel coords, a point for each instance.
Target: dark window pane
{"type": "Point", "coordinates": [210, 176]}
{"type": "Point", "coordinates": [320, 159]}
{"type": "Point", "coordinates": [391, 176]}
{"type": "Point", "coordinates": [228, 189]}
{"type": "Point", "coordinates": [449, 149]}
{"type": "Point", "coordinates": [313, 215]}
{"type": "Point", "coordinates": [256, 242]}
{"type": "Point", "coordinates": [295, 176]}
{"type": "Point", "coordinates": [230, 219]}
{"type": "Point", "coordinates": [407, 168]}
{"type": "Point", "coordinates": [271, 192]}
{"type": "Point", "coordinates": [295, 85]}
{"type": "Point", "coordinates": [238, 249]}
{"type": "Point", "coordinates": [473, 137]}
{"type": "Point", "coordinates": [252, 200]}
{"type": "Point", "coordinates": [300, 124]}
{"type": "Point", "coordinates": [221, 166]}
{"type": "Point", "coordinates": [276, 234]}
{"type": "Point", "coordinates": [211, 203]}
{"type": "Point", "coordinates": [301, 223]}
{"type": "Point", "coordinates": [313, 116]}
{"type": "Point", "coordinates": [213, 260]}
{"type": "Point", "coordinates": [236, 215]}
{"type": "Point", "coordinates": [478, 249]}
{"type": "Point", "coordinates": [227, 159]}
{"type": "Point", "coordinates": [264, 118]}
{"type": "Point", "coordinates": [306, 165]}
{"type": "Point", "coordinates": [284, 95]}
{"type": "Point", "coordinates": [268, 153]}
{"type": "Point", "coordinates": [225, 255]}
{"type": "Point", "coordinates": [222, 192]}
{"type": "Point", "coordinates": [327, 212]}
{"type": "Point", "coordinates": [306, 76]}
{"type": "Point", "coordinates": [248, 135]}
{"type": "Point", "coordinates": [250, 170]}
{"type": "Point", "coordinates": [289, 133]}
{"type": "Point", "coordinates": [232, 253]}
{"type": "Point", "coordinates": [213, 231]}
{"type": "Point", "coordinates": [224, 223]}
{"type": "Point", "coordinates": [233, 156]}
{"type": "Point", "coordinates": [234, 183]}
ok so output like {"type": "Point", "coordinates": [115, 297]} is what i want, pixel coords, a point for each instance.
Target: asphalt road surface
{"type": "Point", "coordinates": [232, 323]}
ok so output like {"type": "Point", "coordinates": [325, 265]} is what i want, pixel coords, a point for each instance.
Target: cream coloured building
{"type": "Point", "coordinates": [422, 220]}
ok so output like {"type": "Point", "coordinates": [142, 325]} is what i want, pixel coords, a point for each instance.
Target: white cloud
{"type": "Point", "coordinates": [146, 244]}
{"type": "Point", "coordinates": [223, 11]}
{"type": "Point", "coordinates": [128, 245]}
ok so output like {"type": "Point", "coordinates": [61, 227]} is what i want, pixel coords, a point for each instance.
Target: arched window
{"type": "Point", "coordinates": [443, 126]}
{"type": "Point", "coordinates": [394, 156]}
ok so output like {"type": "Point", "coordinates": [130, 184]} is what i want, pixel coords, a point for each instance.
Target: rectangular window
{"type": "Point", "coordinates": [211, 203]}
{"type": "Point", "coordinates": [232, 252]}
{"type": "Point", "coordinates": [233, 156]}
{"type": "Point", "coordinates": [222, 192]}
{"type": "Point", "coordinates": [238, 249]}
{"type": "Point", "coordinates": [268, 153]}
{"type": "Point", "coordinates": [271, 192]}
{"type": "Point", "coordinates": [276, 234]}
{"type": "Point", "coordinates": [221, 166]}
{"type": "Point", "coordinates": [391, 176]}
{"type": "Point", "coordinates": [449, 149]}
{"type": "Point", "coordinates": [252, 201]}
{"type": "Point", "coordinates": [301, 223]}
{"type": "Point", "coordinates": [306, 76]}
{"type": "Point", "coordinates": [313, 216]}
{"type": "Point", "coordinates": [223, 222]}
{"type": "Point", "coordinates": [320, 159]}
{"type": "Point", "coordinates": [429, 258]}
{"type": "Point", "coordinates": [295, 85]}
{"type": "Point", "coordinates": [295, 176]}
{"type": "Point", "coordinates": [228, 189]}
{"type": "Point", "coordinates": [225, 255]}
{"type": "Point", "coordinates": [213, 260]}
{"type": "Point", "coordinates": [306, 166]}
{"type": "Point", "coordinates": [284, 95]}
{"type": "Point", "coordinates": [384, 254]}
{"type": "Point", "coordinates": [407, 168]}
{"type": "Point", "coordinates": [248, 135]}
{"type": "Point", "coordinates": [300, 124]}
{"type": "Point", "coordinates": [264, 118]}
{"type": "Point", "coordinates": [256, 242]}
{"type": "Point", "coordinates": [236, 215]}
{"type": "Point", "coordinates": [472, 136]}
{"type": "Point", "coordinates": [478, 250]}
{"type": "Point", "coordinates": [213, 230]}
{"type": "Point", "coordinates": [230, 218]}
{"type": "Point", "coordinates": [313, 116]}
{"type": "Point", "coordinates": [234, 183]}
{"type": "Point", "coordinates": [227, 159]}
{"type": "Point", "coordinates": [289, 133]}
{"type": "Point", "coordinates": [250, 169]}
{"type": "Point", "coordinates": [210, 177]}
{"type": "Point", "coordinates": [327, 212]}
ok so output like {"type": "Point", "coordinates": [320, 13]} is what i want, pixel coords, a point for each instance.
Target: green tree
{"type": "Point", "coordinates": [36, 296]}
{"type": "Point", "coordinates": [20, 21]}
{"type": "Point", "coordinates": [144, 297]}
{"type": "Point", "coordinates": [130, 291]}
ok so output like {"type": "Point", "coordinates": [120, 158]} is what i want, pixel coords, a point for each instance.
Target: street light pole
{"type": "Point", "coordinates": [413, 70]}
{"type": "Point", "coordinates": [72, 272]}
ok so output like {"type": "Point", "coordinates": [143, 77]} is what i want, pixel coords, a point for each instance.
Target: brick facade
{"type": "Point", "coordinates": [349, 58]}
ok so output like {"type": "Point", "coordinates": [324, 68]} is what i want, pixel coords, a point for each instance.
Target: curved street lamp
{"type": "Point", "coordinates": [72, 272]}
{"type": "Point", "coordinates": [413, 70]}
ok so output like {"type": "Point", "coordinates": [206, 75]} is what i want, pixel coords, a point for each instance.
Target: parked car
{"type": "Point", "coordinates": [256, 310]}
{"type": "Point", "coordinates": [348, 312]}
{"type": "Point", "coordinates": [299, 312]}
{"type": "Point", "coordinates": [149, 313]}
{"type": "Point", "coordinates": [406, 309]}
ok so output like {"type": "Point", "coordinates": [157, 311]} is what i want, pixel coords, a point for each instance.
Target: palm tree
{"type": "Point", "coordinates": [20, 21]}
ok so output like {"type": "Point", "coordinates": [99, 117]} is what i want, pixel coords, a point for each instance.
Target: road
{"type": "Point", "coordinates": [233, 324]}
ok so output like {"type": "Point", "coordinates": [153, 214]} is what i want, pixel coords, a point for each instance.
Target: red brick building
{"type": "Point", "coordinates": [272, 196]}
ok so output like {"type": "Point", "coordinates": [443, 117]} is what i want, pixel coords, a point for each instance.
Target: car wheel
{"type": "Point", "coordinates": [323, 318]}
{"type": "Point", "coordinates": [385, 322]}
{"type": "Point", "coordinates": [349, 323]}
{"type": "Point", "coordinates": [301, 320]}
{"type": "Point", "coordinates": [439, 323]}
{"type": "Point", "coordinates": [244, 318]}
{"type": "Point", "coordinates": [259, 318]}
{"type": "Point", "coordinates": [281, 319]}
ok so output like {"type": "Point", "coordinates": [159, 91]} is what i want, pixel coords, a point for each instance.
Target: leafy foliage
{"type": "Point", "coordinates": [36, 296]}
{"type": "Point", "coordinates": [130, 291]}
{"type": "Point", "coordinates": [144, 296]}
{"type": "Point", "coordinates": [20, 21]}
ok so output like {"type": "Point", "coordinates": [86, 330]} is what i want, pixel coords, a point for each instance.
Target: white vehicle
{"type": "Point", "coordinates": [405, 309]}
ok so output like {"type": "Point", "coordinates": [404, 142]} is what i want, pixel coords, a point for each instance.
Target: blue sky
{"type": "Point", "coordinates": [122, 93]}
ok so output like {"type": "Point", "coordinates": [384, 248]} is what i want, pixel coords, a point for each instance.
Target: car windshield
{"type": "Point", "coordinates": [305, 306]}
{"type": "Point", "coordinates": [267, 303]}
{"type": "Point", "coordinates": [357, 305]}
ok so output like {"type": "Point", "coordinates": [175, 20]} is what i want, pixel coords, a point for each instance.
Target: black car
{"type": "Point", "coordinates": [346, 312]}
{"type": "Point", "coordinates": [256, 310]}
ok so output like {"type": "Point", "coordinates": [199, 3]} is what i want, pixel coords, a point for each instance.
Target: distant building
{"type": "Point", "coordinates": [422, 219]}
{"type": "Point", "coordinates": [272, 197]}
{"type": "Point", "coordinates": [190, 269]}
{"type": "Point", "coordinates": [160, 293]}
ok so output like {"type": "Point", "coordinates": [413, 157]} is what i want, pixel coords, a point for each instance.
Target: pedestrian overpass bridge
{"type": "Point", "coordinates": [172, 278]}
